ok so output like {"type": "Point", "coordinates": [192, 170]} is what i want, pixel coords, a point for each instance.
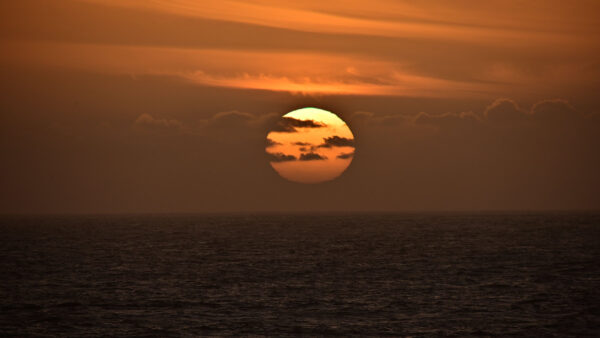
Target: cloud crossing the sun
{"type": "Point", "coordinates": [336, 141]}
{"type": "Point", "coordinates": [280, 157]}
{"type": "Point", "coordinates": [345, 155]}
{"type": "Point", "coordinates": [311, 157]}
{"type": "Point", "coordinates": [291, 125]}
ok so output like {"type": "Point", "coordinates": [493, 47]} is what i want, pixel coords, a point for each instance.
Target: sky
{"type": "Point", "coordinates": [127, 106]}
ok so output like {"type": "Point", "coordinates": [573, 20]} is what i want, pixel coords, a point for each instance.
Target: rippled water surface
{"type": "Point", "coordinates": [289, 275]}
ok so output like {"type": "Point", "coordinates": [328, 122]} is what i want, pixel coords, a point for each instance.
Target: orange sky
{"type": "Point", "coordinates": [133, 105]}
{"type": "Point", "coordinates": [430, 48]}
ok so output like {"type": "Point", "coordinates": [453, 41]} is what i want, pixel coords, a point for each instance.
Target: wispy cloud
{"type": "Point", "coordinates": [307, 73]}
{"type": "Point", "coordinates": [449, 21]}
{"type": "Point", "coordinates": [401, 48]}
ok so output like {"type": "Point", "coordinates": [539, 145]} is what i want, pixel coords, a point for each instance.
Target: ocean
{"type": "Point", "coordinates": [455, 274]}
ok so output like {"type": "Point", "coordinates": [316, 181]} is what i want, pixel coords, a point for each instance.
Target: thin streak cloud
{"type": "Point", "coordinates": [304, 73]}
{"type": "Point", "coordinates": [409, 20]}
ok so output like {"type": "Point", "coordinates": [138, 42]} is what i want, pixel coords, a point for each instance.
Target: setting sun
{"type": "Point", "coordinates": [310, 145]}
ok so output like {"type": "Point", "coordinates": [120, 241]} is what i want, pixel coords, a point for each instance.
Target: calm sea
{"type": "Point", "coordinates": [290, 275]}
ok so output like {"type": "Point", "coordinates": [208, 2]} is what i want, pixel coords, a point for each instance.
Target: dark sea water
{"type": "Point", "coordinates": [291, 275]}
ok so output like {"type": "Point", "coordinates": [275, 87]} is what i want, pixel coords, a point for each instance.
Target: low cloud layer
{"type": "Point", "coordinates": [500, 113]}
{"type": "Point", "coordinates": [501, 155]}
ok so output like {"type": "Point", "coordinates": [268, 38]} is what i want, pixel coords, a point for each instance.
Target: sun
{"type": "Point", "coordinates": [310, 145]}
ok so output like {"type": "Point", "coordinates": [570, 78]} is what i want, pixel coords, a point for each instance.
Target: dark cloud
{"type": "Point", "coordinates": [230, 119]}
{"type": "Point", "coordinates": [289, 125]}
{"type": "Point", "coordinates": [239, 121]}
{"type": "Point", "coordinates": [271, 143]}
{"type": "Point", "coordinates": [505, 112]}
{"type": "Point", "coordinates": [336, 141]}
{"type": "Point", "coordinates": [345, 155]}
{"type": "Point", "coordinates": [554, 111]}
{"type": "Point", "coordinates": [451, 120]}
{"type": "Point", "coordinates": [368, 118]}
{"type": "Point", "coordinates": [362, 116]}
{"type": "Point", "coordinates": [95, 170]}
{"type": "Point", "coordinates": [305, 146]}
{"type": "Point", "coordinates": [311, 157]}
{"type": "Point", "coordinates": [147, 120]}
{"type": "Point", "coordinates": [280, 157]}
